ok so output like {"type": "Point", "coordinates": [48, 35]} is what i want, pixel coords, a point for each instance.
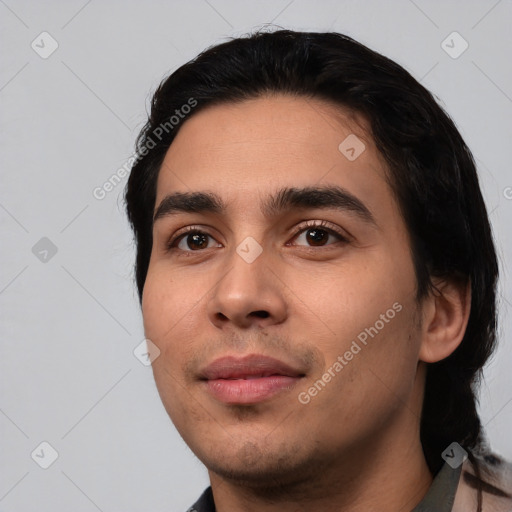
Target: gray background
{"type": "Point", "coordinates": [70, 322]}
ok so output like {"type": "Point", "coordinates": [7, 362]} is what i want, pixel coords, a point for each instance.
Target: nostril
{"type": "Point", "coordinates": [261, 314]}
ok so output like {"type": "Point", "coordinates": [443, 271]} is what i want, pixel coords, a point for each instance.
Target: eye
{"type": "Point", "coordinates": [317, 233]}
{"type": "Point", "coordinates": [191, 241]}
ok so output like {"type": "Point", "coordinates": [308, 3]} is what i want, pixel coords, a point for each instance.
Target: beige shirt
{"type": "Point", "coordinates": [497, 488]}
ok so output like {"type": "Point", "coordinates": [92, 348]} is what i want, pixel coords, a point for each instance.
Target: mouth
{"type": "Point", "coordinates": [248, 380]}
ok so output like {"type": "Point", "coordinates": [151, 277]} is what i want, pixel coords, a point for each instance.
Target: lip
{"type": "Point", "coordinates": [248, 380]}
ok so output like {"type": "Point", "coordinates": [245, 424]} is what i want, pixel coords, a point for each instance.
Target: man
{"type": "Point", "coordinates": [317, 274]}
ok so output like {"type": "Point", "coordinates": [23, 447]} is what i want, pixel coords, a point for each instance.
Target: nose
{"type": "Point", "coordinates": [248, 294]}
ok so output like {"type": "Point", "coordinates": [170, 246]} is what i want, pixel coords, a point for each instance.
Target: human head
{"type": "Point", "coordinates": [429, 169]}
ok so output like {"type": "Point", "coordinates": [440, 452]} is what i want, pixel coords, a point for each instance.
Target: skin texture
{"type": "Point", "coordinates": [355, 445]}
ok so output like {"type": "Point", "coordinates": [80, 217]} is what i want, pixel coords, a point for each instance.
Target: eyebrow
{"type": "Point", "coordinates": [289, 198]}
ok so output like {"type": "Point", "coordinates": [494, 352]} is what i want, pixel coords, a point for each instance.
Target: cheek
{"type": "Point", "coordinates": [383, 306]}
{"type": "Point", "coordinates": [374, 379]}
{"type": "Point", "coordinates": [345, 298]}
{"type": "Point", "coordinates": [368, 313]}
{"type": "Point", "coordinates": [168, 311]}
{"type": "Point", "coordinates": [167, 305]}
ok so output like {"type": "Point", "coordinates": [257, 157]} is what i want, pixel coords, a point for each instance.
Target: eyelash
{"type": "Point", "coordinates": [192, 230]}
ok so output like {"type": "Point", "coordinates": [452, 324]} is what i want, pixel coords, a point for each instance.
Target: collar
{"type": "Point", "coordinates": [441, 494]}
{"type": "Point", "coordinates": [439, 498]}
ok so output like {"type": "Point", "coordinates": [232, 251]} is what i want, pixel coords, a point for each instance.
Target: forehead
{"type": "Point", "coordinates": [240, 150]}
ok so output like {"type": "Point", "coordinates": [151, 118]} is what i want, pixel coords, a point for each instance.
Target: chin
{"type": "Point", "coordinates": [266, 476]}
{"type": "Point", "coordinates": [268, 471]}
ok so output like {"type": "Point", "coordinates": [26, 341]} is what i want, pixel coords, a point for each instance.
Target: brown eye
{"type": "Point", "coordinates": [316, 235]}
{"type": "Point", "coordinates": [191, 241]}
{"type": "Point", "coordinates": [196, 240]}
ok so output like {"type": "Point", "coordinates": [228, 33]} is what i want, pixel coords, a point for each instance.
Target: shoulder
{"type": "Point", "coordinates": [490, 475]}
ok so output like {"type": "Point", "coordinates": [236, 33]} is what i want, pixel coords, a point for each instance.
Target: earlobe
{"type": "Point", "coordinates": [446, 315]}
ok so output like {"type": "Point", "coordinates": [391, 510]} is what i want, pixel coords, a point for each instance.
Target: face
{"type": "Point", "coordinates": [285, 319]}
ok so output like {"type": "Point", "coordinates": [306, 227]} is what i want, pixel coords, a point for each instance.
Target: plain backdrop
{"type": "Point", "coordinates": [70, 318]}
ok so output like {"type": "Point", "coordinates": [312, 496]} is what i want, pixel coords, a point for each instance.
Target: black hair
{"type": "Point", "coordinates": [431, 172]}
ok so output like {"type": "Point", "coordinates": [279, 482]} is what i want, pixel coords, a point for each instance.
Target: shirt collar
{"type": "Point", "coordinates": [441, 495]}
{"type": "Point", "coordinates": [439, 498]}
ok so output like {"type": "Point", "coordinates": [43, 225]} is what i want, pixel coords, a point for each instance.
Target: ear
{"type": "Point", "coordinates": [445, 318]}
